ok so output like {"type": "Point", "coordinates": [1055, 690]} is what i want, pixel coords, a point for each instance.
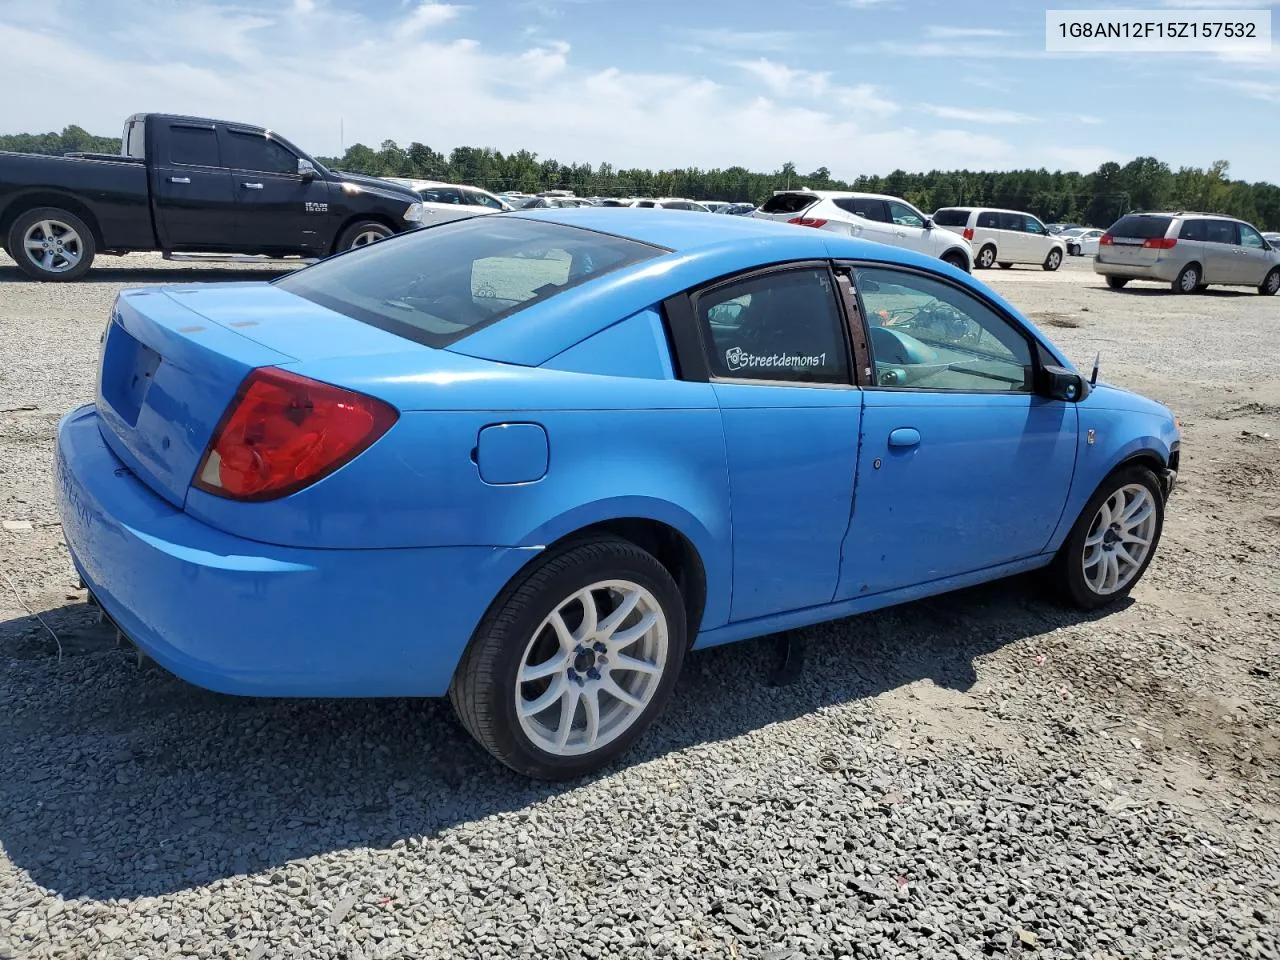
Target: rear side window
{"type": "Point", "coordinates": [1013, 221]}
{"type": "Point", "coordinates": [1220, 231]}
{"type": "Point", "coordinates": [437, 285]}
{"type": "Point", "coordinates": [868, 208]}
{"type": "Point", "coordinates": [1140, 227]}
{"type": "Point", "coordinates": [441, 195]}
{"type": "Point", "coordinates": [951, 218]}
{"type": "Point", "coordinates": [788, 203]}
{"type": "Point", "coordinates": [784, 326]}
{"type": "Point", "coordinates": [194, 146]}
{"type": "Point", "coordinates": [252, 151]}
{"type": "Point", "coordinates": [1192, 230]}
{"type": "Point", "coordinates": [134, 139]}
{"type": "Point", "coordinates": [989, 220]}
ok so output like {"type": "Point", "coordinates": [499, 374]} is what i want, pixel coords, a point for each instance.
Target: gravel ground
{"type": "Point", "coordinates": [980, 774]}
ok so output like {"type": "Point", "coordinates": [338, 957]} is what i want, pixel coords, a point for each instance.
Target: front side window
{"type": "Point", "coordinates": [784, 326]}
{"type": "Point", "coordinates": [1221, 231]}
{"type": "Point", "coordinates": [436, 286]}
{"type": "Point", "coordinates": [475, 198]}
{"type": "Point", "coordinates": [441, 195]}
{"type": "Point", "coordinates": [904, 216]}
{"type": "Point", "coordinates": [927, 334]}
{"type": "Point", "coordinates": [252, 151]}
{"type": "Point", "coordinates": [1032, 225]}
{"type": "Point", "coordinates": [1250, 237]}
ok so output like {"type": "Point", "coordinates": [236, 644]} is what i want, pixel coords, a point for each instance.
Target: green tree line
{"type": "Point", "coordinates": [1094, 199]}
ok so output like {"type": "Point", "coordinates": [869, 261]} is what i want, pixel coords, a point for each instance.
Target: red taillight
{"type": "Point", "coordinates": [807, 222]}
{"type": "Point", "coordinates": [283, 432]}
{"type": "Point", "coordinates": [1105, 240]}
{"type": "Point", "coordinates": [1160, 243]}
{"type": "Point", "coordinates": [968, 233]}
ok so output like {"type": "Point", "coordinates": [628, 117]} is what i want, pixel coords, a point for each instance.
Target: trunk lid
{"type": "Point", "coordinates": [172, 360]}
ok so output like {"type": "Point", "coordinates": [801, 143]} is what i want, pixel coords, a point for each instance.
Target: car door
{"type": "Point", "coordinates": [962, 467]}
{"type": "Point", "coordinates": [870, 218]}
{"type": "Point", "coordinates": [776, 351]}
{"type": "Point", "coordinates": [1012, 243]}
{"type": "Point", "coordinates": [1255, 256]}
{"type": "Point", "coordinates": [908, 227]}
{"type": "Point", "coordinates": [191, 189]}
{"type": "Point", "coordinates": [1037, 239]}
{"type": "Point", "coordinates": [277, 208]}
{"type": "Point", "coordinates": [1221, 246]}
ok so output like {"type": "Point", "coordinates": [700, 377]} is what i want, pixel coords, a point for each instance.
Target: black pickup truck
{"type": "Point", "coordinates": [195, 189]}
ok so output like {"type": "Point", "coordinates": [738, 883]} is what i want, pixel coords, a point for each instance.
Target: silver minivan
{"type": "Point", "coordinates": [1188, 251]}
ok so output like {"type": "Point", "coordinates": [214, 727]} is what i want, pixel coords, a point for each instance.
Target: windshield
{"type": "Point", "coordinates": [436, 285]}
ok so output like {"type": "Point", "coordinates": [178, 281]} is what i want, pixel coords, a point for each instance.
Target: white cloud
{"type": "Point", "coordinates": [764, 41]}
{"type": "Point", "coordinates": [957, 33]}
{"type": "Point", "coordinates": [1253, 89]}
{"type": "Point", "coordinates": [411, 76]}
{"type": "Point", "coordinates": [967, 115]}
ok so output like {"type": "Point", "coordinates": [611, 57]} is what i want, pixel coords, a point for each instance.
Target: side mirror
{"type": "Point", "coordinates": [1059, 383]}
{"type": "Point", "coordinates": [307, 169]}
{"type": "Point", "coordinates": [928, 223]}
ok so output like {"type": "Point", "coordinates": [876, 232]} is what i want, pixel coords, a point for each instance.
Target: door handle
{"type": "Point", "coordinates": [904, 437]}
{"type": "Point", "coordinates": [179, 179]}
{"type": "Point", "coordinates": [252, 186]}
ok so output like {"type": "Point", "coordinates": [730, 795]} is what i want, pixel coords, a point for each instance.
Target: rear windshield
{"type": "Point", "coordinates": [436, 285]}
{"type": "Point", "coordinates": [951, 218]}
{"type": "Point", "coordinates": [788, 203]}
{"type": "Point", "coordinates": [1140, 227]}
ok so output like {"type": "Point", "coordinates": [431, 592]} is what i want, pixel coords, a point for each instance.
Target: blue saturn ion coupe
{"type": "Point", "coordinates": [530, 460]}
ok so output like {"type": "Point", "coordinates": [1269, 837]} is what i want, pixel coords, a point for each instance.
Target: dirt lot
{"type": "Point", "coordinates": [982, 774]}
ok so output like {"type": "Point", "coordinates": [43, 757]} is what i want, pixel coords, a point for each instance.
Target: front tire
{"type": "Point", "coordinates": [1188, 280]}
{"type": "Point", "coordinates": [1113, 540]}
{"type": "Point", "coordinates": [574, 661]}
{"type": "Point", "coordinates": [986, 257]}
{"type": "Point", "coordinates": [956, 259]}
{"type": "Point", "coordinates": [1054, 260]}
{"type": "Point", "coordinates": [48, 243]}
{"type": "Point", "coordinates": [1271, 285]}
{"type": "Point", "coordinates": [362, 234]}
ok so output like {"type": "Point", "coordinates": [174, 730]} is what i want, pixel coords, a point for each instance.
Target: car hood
{"type": "Point", "coordinates": [377, 187]}
{"type": "Point", "coordinates": [1110, 397]}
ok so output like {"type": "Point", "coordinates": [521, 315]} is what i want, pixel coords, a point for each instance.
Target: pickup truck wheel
{"type": "Point", "coordinates": [51, 244]}
{"type": "Point", "coordinates": [363, 233]}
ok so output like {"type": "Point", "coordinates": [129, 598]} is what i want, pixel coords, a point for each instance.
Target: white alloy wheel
{"type": "Point", "coordinates": [1119, 539]}
{"type": "Point", "coordinates": [592, 668]}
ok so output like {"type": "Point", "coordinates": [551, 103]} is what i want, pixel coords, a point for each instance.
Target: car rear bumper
{"type": "Point", "coordinates": [1164, 271]}
{"type": "Point", "coordinates": [241, 617]}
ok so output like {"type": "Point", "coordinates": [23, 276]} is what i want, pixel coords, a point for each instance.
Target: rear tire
{"type": "Point", "coordinates": [48, 243]}
{"type": "Point", "coordinates": [1117, 283]}
{"type": "Point", "coordinates": [520, 657]}
{"type": "Point", "coordinates": [362, 233]}
{"type": "Point", "coordinates": [1271, 285]}
{"type": "Point", "coordinates": [1103, 557]}
{"type": "Point", "coordinates": [1053, 261]}
{"type": "Point", "coordinates": [1188, 280]}
{"type": "Point", "coordinates": [986, 257]}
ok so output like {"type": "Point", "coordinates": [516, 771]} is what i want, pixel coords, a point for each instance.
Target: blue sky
{"type": "Point", "coordinates": [858, 86]}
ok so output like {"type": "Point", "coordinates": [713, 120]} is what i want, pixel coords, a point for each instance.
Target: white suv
{"type": "Point", "coordinates": [870, 216]}
{"type": "Point", "coordinates": [1005, 237]}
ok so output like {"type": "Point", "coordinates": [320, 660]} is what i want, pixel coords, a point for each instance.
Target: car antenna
{"type": "Point", "coordinates": [1093, 377]}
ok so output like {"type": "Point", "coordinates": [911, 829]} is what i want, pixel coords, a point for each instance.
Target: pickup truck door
{"type": "Point", "coordinates": [191, 193]}
{"type": "Point", "coordinates": [277, 208]}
